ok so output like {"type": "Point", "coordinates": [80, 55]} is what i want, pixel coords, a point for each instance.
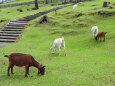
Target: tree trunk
{"type": "Point", "coordinates": [36, 4]}
{"type": "Point", "coordinates": [70, 1]}
{"type": "Point", "coordinates": [46, 1]}
{"type": "Point", "coordinates": [105, 4]}
{"type": "Point", "coordinates": [78, 1]}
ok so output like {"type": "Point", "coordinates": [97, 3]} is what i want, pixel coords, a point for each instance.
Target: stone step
{"type": "Point", "coordinates": [7, 37]}
{"type": "Point", "coordinates": [17, 25]}
{"type": "Point", "coordinates": [12, 35]}
{"type": "Point", "coordinates": [7, 40]}
{"type": "Point", "coordinates": [23, 19]}
{"type": "Point", "coordinates": [11, 32]}
{"type": "Point", "coordinates": [13, 27]}
{"type": "Point", "coordinates": [19, 21]}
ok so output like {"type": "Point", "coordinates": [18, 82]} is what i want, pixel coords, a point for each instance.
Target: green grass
{"type": "Point", "coordinates": [8, 14]}
{"type": "Point", "coordinates": [23, 1]}
{"type": "Point", "coordinates": [15, 2]}
{"type": "Point", "coordinates": [88, 63]}
{"type": "Point", "coordinates": [12, 13]}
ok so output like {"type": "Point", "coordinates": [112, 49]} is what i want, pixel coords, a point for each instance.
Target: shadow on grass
{"type": "Point", "coordinates": [55, 54]}
{"type": "Point", "coordinates": [18, 77]}
{"type": "Point", "coordinates": [92, 43]}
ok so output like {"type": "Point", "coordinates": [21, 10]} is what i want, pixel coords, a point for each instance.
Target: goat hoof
{"type": "Point", "coordinates": [25, 75]}
{"type": "Point", "coordinates": [8, 74]}
{"type": "Point", "coordinates": [12, 73]}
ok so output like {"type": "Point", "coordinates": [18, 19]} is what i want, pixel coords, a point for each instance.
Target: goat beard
{"type": "Point", "coordinates": [38, 73]}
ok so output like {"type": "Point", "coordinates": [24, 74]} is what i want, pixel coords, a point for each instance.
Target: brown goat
{"type": "Point", "coordinates": [26, 60]}
{"type": "Point", "coordinates": [100, 35]}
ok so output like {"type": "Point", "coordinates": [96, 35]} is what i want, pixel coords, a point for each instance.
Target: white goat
{"type": "Point", "coordinates": [94, 31]}
{"type": "Point", "coordinates": [75, 6]}
{"type": "Point", "coordinates": [58, 43]}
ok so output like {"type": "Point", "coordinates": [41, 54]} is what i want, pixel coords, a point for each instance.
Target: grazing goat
{"type": "Point", "coordinates": [100, 35]}
{"type": "Point", "coordinates": [58, 43]}
{"type": "Point", "coordinates": [94, 31]}
{"type": "Point", "coordinates": [26, 60]}
{"type": "Point", "coordinates": [75, 6]}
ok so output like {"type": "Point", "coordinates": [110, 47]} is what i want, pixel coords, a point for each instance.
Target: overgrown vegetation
{"type": "Point", "coordinates": [87, 62]}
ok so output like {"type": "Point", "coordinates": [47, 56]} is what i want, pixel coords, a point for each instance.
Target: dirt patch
{"type": "Point", "coordinates": [2, 45]}
{"type": "Point", "coordinates": [2, 61]}
{"type": "Point", "coordinates": [51, 58]}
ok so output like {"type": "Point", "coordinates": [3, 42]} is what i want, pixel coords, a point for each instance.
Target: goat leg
{"type": "Point", "coordinates": [26, 71]}
{"type": "Point", "coordinates": [12, 69]}
{"type": "Point", "coordinates": [8, 71]}
{"type": "Point", "coordinates": [59, 51]}
{"type": "Point", "coordinates": [10, 64]}
{"type": "Point", "coordinates": [104, 39]}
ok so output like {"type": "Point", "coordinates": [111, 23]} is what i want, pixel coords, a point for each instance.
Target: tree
{"type": "Point", "coordinates": [70, 1]}
{"type": "Point", "coordinates": [46, 1]}
{"type": "Point", "coordinates": [36, 4]}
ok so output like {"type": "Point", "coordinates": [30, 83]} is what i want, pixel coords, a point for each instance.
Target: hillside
{"type": "Point", "coordinates": [88, 63]}
{"type": "Point", "coordinates": [23, 1]}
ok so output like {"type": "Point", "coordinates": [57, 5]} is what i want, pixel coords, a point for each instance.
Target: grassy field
{"type": "Point", "coordinates": [8, 14]}
{"type": "Point", "coordinates": [23, 1]}
{"type": "Point", "coordinates": [88, 63]}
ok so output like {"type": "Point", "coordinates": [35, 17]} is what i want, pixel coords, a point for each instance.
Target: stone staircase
{"type": "Point", "coordinates": [13, 30]}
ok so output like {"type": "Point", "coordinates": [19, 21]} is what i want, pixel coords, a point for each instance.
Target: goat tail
{"type": "Point", "coordinates": [5, 55]}
{"type": "Point", "coordinates": [62, 37]}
